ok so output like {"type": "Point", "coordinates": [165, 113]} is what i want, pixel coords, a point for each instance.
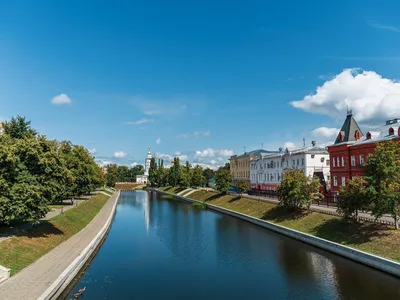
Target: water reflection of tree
{"type": "Point", "coordinates": [355, 281]}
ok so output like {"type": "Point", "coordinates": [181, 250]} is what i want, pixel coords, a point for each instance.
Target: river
{"type": "Point", "coordinates": [158, 247]}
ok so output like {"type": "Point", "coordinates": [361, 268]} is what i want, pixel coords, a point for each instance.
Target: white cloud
{"type": "Point", "coordinates": [195, 134]}
{"type": "Point", "coordinates": [168, 157]}
{"type": "Point", "coordinates": [61, 99]}
{"type": "Point", "coordinates": [371, 97]}
{"type": "Point", "coordinates": [158, 141]}
{"type": "Point", "coordinates": [134, 164]}
{"type": "Point", "coordinates": [177, 153]}
{"type": "Point", "coordinates": [325, 133]}
{"type": "Point", "coordinates": [164, 156]}
{"type": "Point", "coordinates": [92, 151]}
{"type": "Point", "coordinates": [138, 122]}
{"type": "Point", "coordinates": [103, 161]}
{"type": "Point", "coordinates": [120, 154]}
{"type": "Point", "coordinates": [212, 153]}
{"type": "Point", "coordinates": [213, 161]}
{"type": "Point", "coordinates": [382, 26]}
{"type": "Point", "coordinates": [289, 145]}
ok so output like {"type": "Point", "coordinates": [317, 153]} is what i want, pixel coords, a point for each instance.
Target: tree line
{"type": "Point", "coordinates": [178, 175]}
{"type": "Point", "coordinates": [117, 173]}
{"type": "Point", "coordinates": [36, 172]}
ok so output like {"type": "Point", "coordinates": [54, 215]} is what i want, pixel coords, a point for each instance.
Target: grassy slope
{"type": "Point", "coordinates": [20, 251]}
{"type": "Point", "coordinates": [374, 238]}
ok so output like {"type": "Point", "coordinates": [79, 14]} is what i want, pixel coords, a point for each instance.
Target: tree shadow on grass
{"type": "Point", "coordinates": [234, 199]}
{"type": "Point", "coordinates": [168, 188]}
{"type": "Point", "coordinates": [280, 214]}
{"type": "Point", "coordinates": [43, 229]}
{"type": "Point", "coordinates": [213, 197]}
{"type": "Point", "coordinates": [341, 231]}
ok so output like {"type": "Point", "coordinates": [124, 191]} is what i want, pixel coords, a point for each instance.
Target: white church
{"type": "Point", "coordinates": [143, 179]}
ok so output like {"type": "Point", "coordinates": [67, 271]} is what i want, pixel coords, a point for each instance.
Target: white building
{"type": "Point", "coordinates": [143, 179]}
{"type": "Point", "coordinates": [266, 173]}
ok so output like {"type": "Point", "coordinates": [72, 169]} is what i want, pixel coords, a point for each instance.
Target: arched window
{"type": "Point", "coordinates": [391, 131]}
{"type": "Point", "coordinates": [368, 135]}
{"type": "Point", "coordinates": [357, 135]}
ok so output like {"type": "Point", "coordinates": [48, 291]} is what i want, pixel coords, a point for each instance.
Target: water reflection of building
{"type": "Point", "coordinates": [147, 211]}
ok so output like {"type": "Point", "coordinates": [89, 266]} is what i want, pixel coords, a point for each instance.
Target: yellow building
{"type": "Point", "coordinates": [240, 164]}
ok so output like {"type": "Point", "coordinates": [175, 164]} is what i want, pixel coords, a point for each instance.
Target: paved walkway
{"type": "Point", "coordinates": [32, 281]}
{"type": "Point", "coordinates": [325, 209]}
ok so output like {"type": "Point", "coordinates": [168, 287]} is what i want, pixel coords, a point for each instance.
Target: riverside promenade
{"type": "Point", "coordinates": [33, 281]}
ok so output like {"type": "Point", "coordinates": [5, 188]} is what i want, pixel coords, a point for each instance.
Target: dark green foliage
{"type": "Point", "coordinates": [208, 174]}
{"type": "Point", "coordinates": [353, 197]}
{"type": "Point", "coordinates": [35, 172]}
{"type": "Point", "coordinates": [382, 174]}
{"type": "Point", "coordinates": [242, 187]}
{"type": "Point", "coordinates": [18, 128]}
{"type": "Point", "coordinates": [297, 190]}
{"type": "Point", "coordinates": [174, 173]}
{"type": "Point", "coordinates": [223, 180]}
{"type": "Point", "coordinates": [197, 178]}
{"type": "Point", "coordinates": [153, 171]}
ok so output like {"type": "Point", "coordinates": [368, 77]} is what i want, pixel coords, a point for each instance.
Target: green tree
{"type": "Point", "coordinates": [382, 173]}
{"type": "Point", "coordinates": [111, 175]}
{"type": "Point", "coordinates": [208, 174]}
{"type": "Point", "coordinates": [153, 172]}
{"type": "Point", "coordinates": [123, 174]}
{"type": "Point", "coordinates": [174, 174]}
{"type": "Point", "coordinates": [352, 197]}
{"type": "Point", "coordinates": [297, 190]}
{"type": "Point", "coordinates": [197, 178]}
{"type": "Point", "coordinates": [223, 180]}
{"type": "Point", "coordinates": [242, 187]}
{"type": "Point", "coordinates": [18, 128]}
{"type": "Point", "coordinates": [160, 172]}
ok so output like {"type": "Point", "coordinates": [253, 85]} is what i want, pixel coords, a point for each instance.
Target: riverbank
{"type": "Point", "coordinates": [378, 239]}
{"type": "Point", "coordinates": [59, 242]}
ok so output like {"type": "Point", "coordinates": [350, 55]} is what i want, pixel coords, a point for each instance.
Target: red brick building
{"type": "Point", "coordinates": [351, 149]}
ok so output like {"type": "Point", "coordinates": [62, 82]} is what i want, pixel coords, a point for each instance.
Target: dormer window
{"type": "Point", "coordinates": [357, 135]}
{"type": "Point", "coordinates": [340, 136]}
{"type": "Point", "coordinates": [391, 131]}
{"type": "Point", "coordinates": [368, 135]}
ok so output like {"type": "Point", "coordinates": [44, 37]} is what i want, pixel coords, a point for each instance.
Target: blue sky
{"type": "Point", "coordinates": [203, 79]}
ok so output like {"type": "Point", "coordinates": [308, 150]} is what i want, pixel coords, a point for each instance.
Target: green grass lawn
{"type": "Point", "coordinates": [20, 251]}
{"type": "Point", "coordinates": [173, 190]}
{"type": "Point", "coordinates": [374, 238]}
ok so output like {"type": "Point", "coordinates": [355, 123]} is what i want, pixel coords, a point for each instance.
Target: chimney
{"type": "Point", "coordinates": [313, 143]}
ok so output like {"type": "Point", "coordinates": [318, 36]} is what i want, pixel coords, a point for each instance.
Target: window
{"type": "Point", "coordinates": [312, 155]}
{"type": "Point", "coordinates": [287, 163]}
{"type": "Point", "coordinates": [362, 160]}
{"type": "Point", "coordinates": [265, 165]}
{"type": "Point", "coordinates": [334, 180]}
{"type": "Point", "coordinates": [343, 181]}
{"type": "Point", "coordinates": [353, 161]}
{"type": "Point", "coordinates": [338, 161]}
{"type": "Point", "coordinates": [334, 162]}
{"type": "Point", "coordinates": [328, 162]}
{"type": "Point", "coordinates": [293, 162]}
{"type": "Point", "coordinates": [277, 164]}
{"type": "Point", "coordinates": [342, 161]}
{"type": "Point", "coordinates": [302, 161]}
{"type": "Point", "coordinates": [298, 162]}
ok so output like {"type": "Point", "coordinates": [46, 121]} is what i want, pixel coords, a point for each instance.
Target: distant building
{"type": "Point", "coordinates": [143, 179]}
{"type": "Point", "coordinates": [352, 149]}
{"type": "Point", "coordinates": [267, 171]}
{"type": "Point", "coordinates": [1, 129]}
{"type": "Point", "coordinates": [240, 164]}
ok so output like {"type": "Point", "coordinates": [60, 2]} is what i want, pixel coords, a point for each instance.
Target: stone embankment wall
{"type": "Point", "coordinates": [368, 259]}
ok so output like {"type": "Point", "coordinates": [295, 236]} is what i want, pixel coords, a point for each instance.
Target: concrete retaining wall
{"type": "Point", "coordinates": [368, 259]}
{"type": "Point", "coordinates": [69, 273]}
{"type": "Point", "coordinates": [4, 273]}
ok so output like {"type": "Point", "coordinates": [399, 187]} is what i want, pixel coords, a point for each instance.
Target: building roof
{"type": "Point", "coordinates": [257, 152]}
{"type": "Point", "coordinates": [348, 131]}
{"type": "Point", "coordinates": [381, 134]}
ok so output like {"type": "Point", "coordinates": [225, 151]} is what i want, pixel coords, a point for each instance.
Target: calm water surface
{"type": "Point", "coordinates": [162, 248]}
